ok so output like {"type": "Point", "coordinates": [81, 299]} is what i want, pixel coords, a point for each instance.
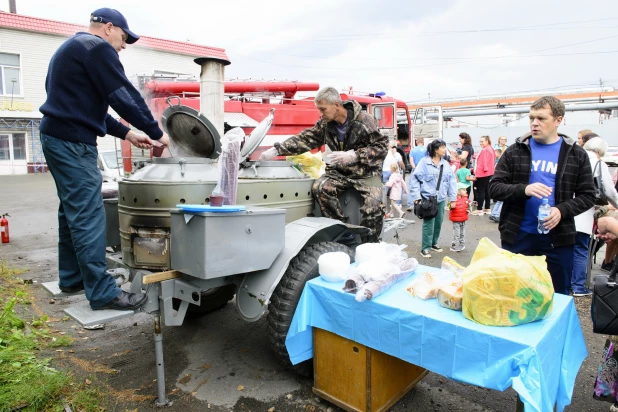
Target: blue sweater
{"type": "Point", "coordinates": [84, 78]}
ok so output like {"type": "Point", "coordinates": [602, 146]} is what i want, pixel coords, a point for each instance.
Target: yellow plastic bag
{"type": "Point", "coordinates": [501, 288]}
{"type": "Point", "coordinates": [310, 163]}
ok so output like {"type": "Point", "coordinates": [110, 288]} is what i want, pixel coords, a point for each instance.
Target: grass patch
{"type": "Point", "coordinates": [27, 379]}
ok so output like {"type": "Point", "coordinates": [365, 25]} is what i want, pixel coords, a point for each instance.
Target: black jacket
{"type": "Point", "coordinates": [574, 191]}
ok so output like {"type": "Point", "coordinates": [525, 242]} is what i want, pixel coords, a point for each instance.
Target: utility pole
{"type": "Point", "coordinates": [12, 7]}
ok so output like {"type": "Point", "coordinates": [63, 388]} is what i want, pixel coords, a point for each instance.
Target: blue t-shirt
{"type": "Point", "coordinates": [542, 170]}
{"type": "Point", "coordinates": [417, 154]}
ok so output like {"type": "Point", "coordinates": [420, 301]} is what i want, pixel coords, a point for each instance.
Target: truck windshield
{"type": "Point", "coordinates": [113, 160]}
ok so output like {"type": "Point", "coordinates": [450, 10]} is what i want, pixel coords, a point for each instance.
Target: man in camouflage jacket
{"type": "Point", "coordinates": [358, 150]}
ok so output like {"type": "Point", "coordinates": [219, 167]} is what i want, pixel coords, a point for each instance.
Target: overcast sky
{"type": "Point", "coordinates": [408, 49]}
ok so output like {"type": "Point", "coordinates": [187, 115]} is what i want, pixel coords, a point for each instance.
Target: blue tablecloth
{"type": "Point", "coordinates": [540, 360]}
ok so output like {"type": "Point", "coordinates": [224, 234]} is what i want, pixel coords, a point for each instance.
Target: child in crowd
{"type": "Point", "coordinates": [459, 216]}
{"type": "Point", "coordinates": [464, 175]}
{"type": "Point", "coordinates": [397, 185]}
{"type": "Point", "coordinates": [498, 154]}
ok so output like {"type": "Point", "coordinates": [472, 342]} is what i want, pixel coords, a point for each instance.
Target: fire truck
{"type": "Point", "coordinates": [248, 102]}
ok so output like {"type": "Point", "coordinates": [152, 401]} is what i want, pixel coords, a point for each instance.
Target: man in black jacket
{"type": "Point", "coordinates": [543, 164]}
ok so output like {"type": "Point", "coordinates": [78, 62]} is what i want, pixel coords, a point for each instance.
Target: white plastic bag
{"type": "Point", "coordinates": [333, 266]}
{"type": "Point", "coordinates": [373, 288]}
{"type": "Point", "coordinates": [378, 251]}
{"type": "Point", "coordinates": [228, 166]}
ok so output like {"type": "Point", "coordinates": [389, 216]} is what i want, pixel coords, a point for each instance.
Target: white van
{"type": "Point", "coordinates": [110, 164]}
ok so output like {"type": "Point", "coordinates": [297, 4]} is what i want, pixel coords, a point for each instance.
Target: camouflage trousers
{"type": "Point", "coordinates": [327, 189]}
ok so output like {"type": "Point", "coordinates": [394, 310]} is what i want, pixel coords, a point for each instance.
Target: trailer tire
{"type": "Point", "coordinates": [212, 300]}
{"type": "Point", "coordinates": [284, 299]}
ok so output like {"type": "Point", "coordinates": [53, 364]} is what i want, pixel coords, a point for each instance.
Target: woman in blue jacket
{"type": "Point", "coordinates": [424, 182]}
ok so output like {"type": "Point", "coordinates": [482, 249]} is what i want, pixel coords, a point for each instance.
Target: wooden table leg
{"type": "Point", "coordinates": [520, 405]}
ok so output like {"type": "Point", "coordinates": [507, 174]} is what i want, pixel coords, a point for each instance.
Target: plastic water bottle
{"type": "Point", "coordinates": [543, 213]}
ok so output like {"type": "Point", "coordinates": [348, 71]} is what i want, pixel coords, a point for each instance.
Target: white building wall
{"type": "Point", "coordinates": [36, 50]}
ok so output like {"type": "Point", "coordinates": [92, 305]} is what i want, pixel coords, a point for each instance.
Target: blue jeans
{"type": "Point", "coordinates": [580, 262]}
{"type": "Point", "coordinates": [81, 219]}
{"type": "Point", "coordinates": [497, 209]}
{"type": "Point", "coordinates": [559, 259]}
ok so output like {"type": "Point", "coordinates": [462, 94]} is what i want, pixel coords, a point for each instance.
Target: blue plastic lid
{"type": "Point", "coordinates": [545, 200]}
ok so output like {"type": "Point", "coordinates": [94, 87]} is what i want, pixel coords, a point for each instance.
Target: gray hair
{"type": "Point", "coordinates": [328, 95]}
{"type": "Point", "coordinates": [596, 145]}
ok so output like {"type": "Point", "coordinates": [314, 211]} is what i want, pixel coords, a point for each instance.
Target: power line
{"type": "Point", "coordinates": [516, 28]}
{"type": "Point", "coordinates": [544, 89]}
{"type": "Point", "coordinates": [522, 54]}
{"type": "Point", "coordinates": [434, 58]}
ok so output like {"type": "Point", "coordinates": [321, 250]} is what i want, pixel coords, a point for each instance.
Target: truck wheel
{"type": "Point", "coordinates": [212, 299]}
{"type": "Point", "coordinates": [284, 299]}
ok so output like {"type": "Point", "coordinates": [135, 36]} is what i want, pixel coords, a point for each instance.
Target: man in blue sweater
{"type": "Point", "coordinates": [84, 78]}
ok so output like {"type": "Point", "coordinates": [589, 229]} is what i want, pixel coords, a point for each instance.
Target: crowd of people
{"type": "Point", "coordinates": [515, 178]}
{"type": "Point", "coordinates": [543, 170]}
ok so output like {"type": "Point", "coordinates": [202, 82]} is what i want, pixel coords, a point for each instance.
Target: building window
{"type": "Point", "coordinates": [10, 80]}
{"type": "Point", "coordinates": [13, 146]}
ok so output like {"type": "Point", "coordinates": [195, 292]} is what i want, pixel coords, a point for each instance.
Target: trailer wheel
{"type": "Point", "coordinates": [284, 299]}
{"type": "Point", "coordinates": [212, 300]}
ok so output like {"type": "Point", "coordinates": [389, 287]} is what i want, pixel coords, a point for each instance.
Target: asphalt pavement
{"type": "Point", "coordinates": [220, 362]}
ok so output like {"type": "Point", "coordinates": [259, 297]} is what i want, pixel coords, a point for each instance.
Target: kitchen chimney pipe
{"type": "Point", "coordinates": [12, 7]}
{"type": "Point", "coordinates": [211, 89]}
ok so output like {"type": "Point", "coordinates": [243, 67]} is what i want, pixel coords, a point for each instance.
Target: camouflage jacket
{"type": "Point", "coordinates": [362, 136]}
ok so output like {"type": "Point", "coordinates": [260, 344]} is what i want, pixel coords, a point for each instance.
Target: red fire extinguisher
{"type": "Point", "coordinates": [4, 228]}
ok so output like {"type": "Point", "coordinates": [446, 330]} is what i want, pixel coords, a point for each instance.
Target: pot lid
{"type": "Point", "coordinates": [258, 134]}
{"type": "Point", "coordinates": [191, 133]}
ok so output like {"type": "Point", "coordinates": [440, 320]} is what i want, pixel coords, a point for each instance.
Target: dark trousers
{"type": "Point", "coordinates": [559, 259]}
{"type": "Point", "coordinates": [81, 219]}
{"type": "Point", "coordinates": [482, 191]}
{"type": "Point", "coordinates": [327, 188]}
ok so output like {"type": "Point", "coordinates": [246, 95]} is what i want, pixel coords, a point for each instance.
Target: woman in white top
{"type": "Point", "coordinates": [391, 157]}
{"type": "Point", "coordinates": [595, 147]}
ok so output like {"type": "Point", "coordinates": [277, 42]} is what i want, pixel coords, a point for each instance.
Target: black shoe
{"type": "Point", "coordinates": [347, 237]}
{"type": "Point", "coordinates": [125, 301]}
{"type": "Point", "coordinates": [72, 289]}
{"type": "Point", "coordinates": [606, 267]}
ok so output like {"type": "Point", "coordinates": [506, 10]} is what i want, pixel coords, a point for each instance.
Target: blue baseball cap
{"type": "Point", "coordinates": [106, 15]}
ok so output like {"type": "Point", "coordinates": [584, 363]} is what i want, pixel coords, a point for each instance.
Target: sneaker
{"type": "Point", "coordinates": [494, 219]}
{"type": "Point", "coordinates": [409, 209]}
{"type": "Point", "coordinates": [477, 213]}
{"type": "Point", "coordinates": [487, 211]}
{"type": "Point", "coordinates": [585, 292]}
{"type": "Point", "coordinates": [461, 248]}
{"type": "Point", "coordinates": [425, 253]}
{"type": "Point", "coordinates": [436, 248]}
{"type": "Point", "coordinates": [457, 249]}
